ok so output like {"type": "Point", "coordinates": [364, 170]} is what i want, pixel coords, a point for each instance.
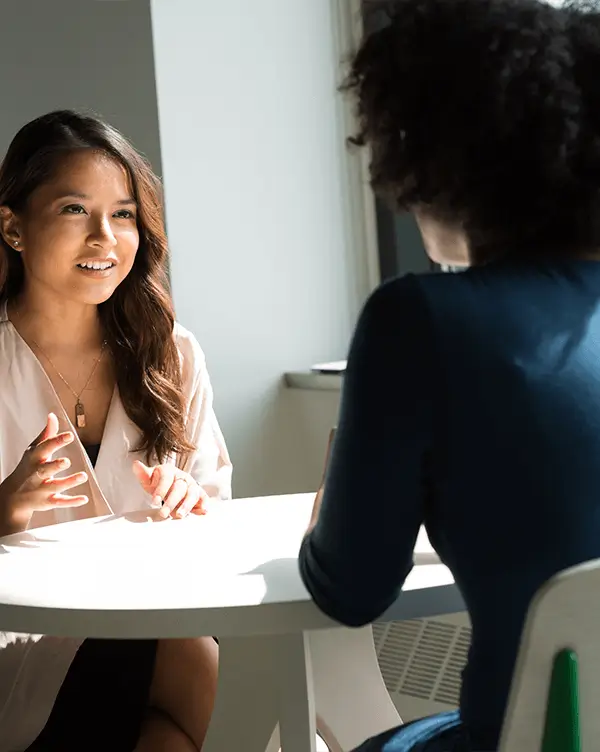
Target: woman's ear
{"type": "Point", "coordinates": [9, 228]}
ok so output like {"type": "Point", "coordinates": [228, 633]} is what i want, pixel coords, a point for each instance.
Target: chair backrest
{"type": "Point", "coordinates": [554, 702]}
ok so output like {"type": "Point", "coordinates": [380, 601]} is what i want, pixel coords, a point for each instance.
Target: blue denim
{"type": "Point", "coordinates": [437, 733]}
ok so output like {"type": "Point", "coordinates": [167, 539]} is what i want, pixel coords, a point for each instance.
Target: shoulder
{"type": "Point", "coordinates": [193, 360]}
{"type": "Point", "coordinates": [430, 301]}
{"type": "Point", "coordinates": [396, 293]}
{"type": "Point", "coordinates": [394, 305]}
{"type": "Point", "coordinates": [392, 338]}
{"type": "Point", "coordinates": [188, 345]}
{"type": "Point", "coordinates": [408, 319]}
{"type": "Point", "coordinates": [460, 301]}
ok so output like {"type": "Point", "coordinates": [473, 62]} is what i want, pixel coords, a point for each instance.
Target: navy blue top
{"type": "Point", "coordinates": [471, 404]}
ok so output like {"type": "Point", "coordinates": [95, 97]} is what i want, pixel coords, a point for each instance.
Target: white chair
{"type": "Point", "coordinates": [321, 691]}
{"type": "Point", "coordinates": [343, 720]}
{"type": "Point", "coordinates": [554, 702]}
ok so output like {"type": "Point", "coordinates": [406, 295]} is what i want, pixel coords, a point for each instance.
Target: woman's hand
{"type": "Point", "coordinates": [177, 491]}
{"type": "Point", "coordinates": [316, 510]}
{"type": "Point", "coordinates": [314, 517]}
{"type": "Point", "coordinates": [32, 487]}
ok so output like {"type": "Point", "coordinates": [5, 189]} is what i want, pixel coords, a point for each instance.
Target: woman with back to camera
{"type": "Point", "coordinates": [90, 356]}
{"type": "Point", "coordinates": [471, 401]}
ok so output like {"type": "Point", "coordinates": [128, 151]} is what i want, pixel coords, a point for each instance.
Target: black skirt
{"type": "Point", "coordinates": [103, 700]}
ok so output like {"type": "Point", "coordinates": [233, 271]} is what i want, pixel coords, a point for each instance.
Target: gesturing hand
{"type": "Point", "coordinates": [177, 491]}
{"type": "Point", "coordinates": [32, 487]}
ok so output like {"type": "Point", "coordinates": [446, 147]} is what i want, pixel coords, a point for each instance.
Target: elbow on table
{"type": "Point", "coordinates": [353, 601]}
{"type": "Point", "coordinates": [351, 612]}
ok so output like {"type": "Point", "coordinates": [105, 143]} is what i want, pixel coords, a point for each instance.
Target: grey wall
{"type": "Point", "coordinates": [79, 54]}
{"type": "Point", "coordinates": [255, 176]}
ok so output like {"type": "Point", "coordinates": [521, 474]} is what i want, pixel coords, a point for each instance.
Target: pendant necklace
{"type": "Point", "coordinates": [79, 408]}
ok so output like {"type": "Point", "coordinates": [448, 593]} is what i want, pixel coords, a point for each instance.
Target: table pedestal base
{"type": "Point", "coordinates": [291, 680]}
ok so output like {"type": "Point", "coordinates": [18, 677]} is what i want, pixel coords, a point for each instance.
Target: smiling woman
{"type": "Point", "coordinates": [90, 348]}
{"type": "Point", "coordinates": [61, 235]}
{"type": "Point", "coordinates": [54, 163]}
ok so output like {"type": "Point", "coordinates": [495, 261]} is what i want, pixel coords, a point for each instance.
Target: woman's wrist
{"type": "Point", "coordinates": [11, 521]}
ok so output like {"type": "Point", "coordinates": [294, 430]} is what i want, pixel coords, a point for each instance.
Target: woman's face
{"type": "Point", "coordinates": [78, 234]}
{"type": "Point", "coordinates": [445, 245]}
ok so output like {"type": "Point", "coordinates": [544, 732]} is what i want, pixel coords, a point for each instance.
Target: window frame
{"type": "Point", "coordinates": [361, 217]}
{"type": "Point", "coordinates": [389, 243]}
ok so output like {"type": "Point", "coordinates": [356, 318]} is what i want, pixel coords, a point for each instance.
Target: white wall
{"type": "Point", "coordinates": [80, 54]}
{"type": "Point", "coordinates": [256, 178]}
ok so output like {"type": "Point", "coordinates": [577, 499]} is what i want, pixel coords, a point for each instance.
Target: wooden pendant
{"type": "Point", "coordinates": [79, 415]}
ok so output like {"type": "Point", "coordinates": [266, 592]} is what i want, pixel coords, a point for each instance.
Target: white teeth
{"type": "Point", "coordinates": [98, 265]}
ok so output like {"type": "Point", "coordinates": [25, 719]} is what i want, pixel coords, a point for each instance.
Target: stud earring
{"type": "Point", "coordinates": [16, 243]}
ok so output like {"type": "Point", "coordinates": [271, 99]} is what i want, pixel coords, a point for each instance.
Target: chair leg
{"type": "Point", "coordinates": [297, 722]}
{"type": "Point", "coordinates": [351, 698]}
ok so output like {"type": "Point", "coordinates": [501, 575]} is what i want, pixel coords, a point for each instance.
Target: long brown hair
{"type": "Point", "coordinates": [138, 318]}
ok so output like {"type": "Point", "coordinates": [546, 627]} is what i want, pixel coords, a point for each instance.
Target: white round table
{"type": "Point", "coordinates": [234, 574]}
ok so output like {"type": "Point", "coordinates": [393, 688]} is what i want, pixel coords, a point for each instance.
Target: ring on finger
{"type": "Point", "coordinates": [183, 480]}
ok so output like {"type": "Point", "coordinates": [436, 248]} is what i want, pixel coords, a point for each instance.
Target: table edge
{"type": "Point", "coordinates": [230, 621]}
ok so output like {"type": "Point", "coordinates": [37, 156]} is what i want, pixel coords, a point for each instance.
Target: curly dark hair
{"type": "Point", "coordinates": [138, 318]}
{"type": "Point", "coordinates": [486, 114]}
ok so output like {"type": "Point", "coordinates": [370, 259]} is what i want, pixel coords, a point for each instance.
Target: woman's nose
{"type": "Point", "coordinates": [103, 234]}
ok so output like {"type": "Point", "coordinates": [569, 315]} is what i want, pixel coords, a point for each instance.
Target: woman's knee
{"type": "Point", "coordinates": [184, 684]}
{"type": "Point", "coordinates": [160, 734]}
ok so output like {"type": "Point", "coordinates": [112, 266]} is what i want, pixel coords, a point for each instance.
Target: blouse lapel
{"type": "Point", "coordinates": [27, 377]}
{"type": "Point", "coordinates": [114, 467]}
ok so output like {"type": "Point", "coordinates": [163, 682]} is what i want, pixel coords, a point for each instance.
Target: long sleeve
{"type": "Point", "coordinates": [357, 557]}
{"type": "Point", "coordinates": [210, 464]}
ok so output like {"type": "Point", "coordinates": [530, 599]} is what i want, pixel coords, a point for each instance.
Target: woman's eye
{"type": "Point", "coordinates": [124, 214]}
{"type": "Point", "coordinates": [73, 209]}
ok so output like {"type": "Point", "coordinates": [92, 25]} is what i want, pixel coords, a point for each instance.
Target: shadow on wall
{"type": "Point", "coordinates": [56, 62]}
{"type": "Point", "coordinates": [286, 453]}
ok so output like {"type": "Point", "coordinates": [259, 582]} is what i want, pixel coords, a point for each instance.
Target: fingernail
{"type": "Point", "coordinates": [156, 501]}
{"type": "Point", "coordinates": [67, 437]}
{"type": "Point", "coordinates": [165, 512]}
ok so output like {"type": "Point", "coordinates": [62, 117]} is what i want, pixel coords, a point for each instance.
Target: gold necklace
{"type": "Point", "coordinates": [79, 408]}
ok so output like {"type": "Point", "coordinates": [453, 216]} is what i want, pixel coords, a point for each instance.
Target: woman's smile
{"type": "Point", "coordinates": [96, 268]}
